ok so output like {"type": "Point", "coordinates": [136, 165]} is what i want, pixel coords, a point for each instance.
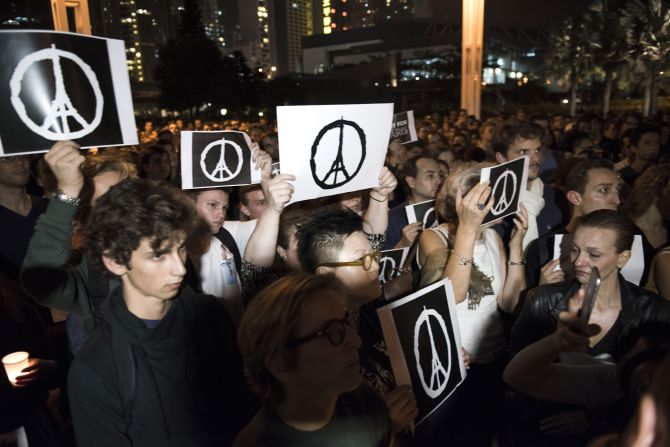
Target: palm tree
{"type": "Point", "coordinates": [609, 51]}
{"type": "Point", "coordinates": [568, 59]}
{"type": "Point", "coordinates": [647, 24]}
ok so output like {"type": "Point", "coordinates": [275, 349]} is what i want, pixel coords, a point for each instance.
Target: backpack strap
{"type": "Point", "coordinates": [125, 371]}
{"type": "Point", "coordinates": [227, 239]}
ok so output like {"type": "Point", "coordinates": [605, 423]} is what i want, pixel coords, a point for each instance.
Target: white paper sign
{"type": "Point", "coordinates": [63, 86]}
{"type": "Point", "coordinates": [632, 271]}
{"type": "Point", "coordinates": [423, 212]}
{"type": "Point", "coordinates": [333, 149]}
{"type": "Point", "coordinates": [216, 159]}
{"type": "Point", "coordinates": [424, 345]}
{"type": "Point", "coordinates": [403, 127]}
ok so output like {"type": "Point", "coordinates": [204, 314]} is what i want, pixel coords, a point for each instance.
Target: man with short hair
{"type": "Point", "coordinates": [163, 369]}
{"type": "Point", "coordinates": [589, 186]}
{"type": "Point", "coordinates": [645, 144]}
{"type": "Point", "coordinates": [422, 178]}
{"type": "Point", "coordinates": [252, 202]}
{"type": "Point", "coordinates": [545, 205]}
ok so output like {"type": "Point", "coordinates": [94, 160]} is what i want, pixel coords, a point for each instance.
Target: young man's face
{"type": "Point", "coordinates": [601, 191]}
{"type": "Point", "coordinates": [15, 171]}
{"type": "Point", "coordinates": [211, 207]}
{"type": "Point", "coordinates": [531, 147]}
{"type": "Point", "coordinates": [255, 204]}
{"type": "Point", "coordinates": [152, 275]}
{"type": "Point", "coordinates": [424, 186]}
{"type": "Point", "coordinates": [648, 147]}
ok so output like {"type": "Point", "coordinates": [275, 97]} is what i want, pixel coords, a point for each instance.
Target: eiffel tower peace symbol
{"type": "Point", "coordinates": [504, 200]}
{"type": "Point", "coordinates": [61, 107]}
{"type": "Point", "coordinates": [338, 174]}
{"type": "Point", "coordinates": [439, 376]}
{"type": "Point", "coordinates": [221, 171]}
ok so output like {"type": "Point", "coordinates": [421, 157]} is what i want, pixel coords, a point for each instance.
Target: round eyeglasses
{"type": "Point", "coordinates": [365, 261]}
{"type": "Point", "coordinates": [336, 332]}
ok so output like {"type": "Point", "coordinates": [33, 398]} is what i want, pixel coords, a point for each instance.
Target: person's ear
{"type": "Point", "coordinates": [244, 210]}
{"type": "Point", "coordinates": [411, 182]}
{"type": "Point", "coordinates": [574, 198]}
{"type": "Point", "coordinates": [623, 258]}
{"type": "Point", "coordinates": [114, 266]}
{"type": "Point", "coordinates": [281, 251]}
{"type": "Point", "coordinates": [279, 369]}
{"type": "Point", "coordinates": [500, 158]}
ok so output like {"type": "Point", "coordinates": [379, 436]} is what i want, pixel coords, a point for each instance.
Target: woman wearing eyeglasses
{"type": "Point", "coordinates": [300, 351]}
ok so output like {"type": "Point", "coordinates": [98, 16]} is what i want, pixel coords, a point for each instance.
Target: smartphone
{"type": "Point", "coordinates": [590, 295]}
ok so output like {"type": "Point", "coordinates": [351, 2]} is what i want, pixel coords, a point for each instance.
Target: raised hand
{"type": "Point", "coordinates": [473, 208]}
{"type": "Point", "coordinates": [65, 162]}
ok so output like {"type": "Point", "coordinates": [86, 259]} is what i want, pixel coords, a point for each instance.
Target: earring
{"type": "Point", "coordinates": [618, 266]}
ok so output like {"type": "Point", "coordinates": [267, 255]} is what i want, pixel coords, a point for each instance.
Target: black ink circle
{"type": "Point", "coordinates": [338, 164]}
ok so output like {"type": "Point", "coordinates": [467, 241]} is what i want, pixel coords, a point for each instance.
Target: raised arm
{"type": "Point", "coordinates": [375, 220]}
{"type": "Point", "coordinates": [470, 216]}
{"type": "Point", "coordinates": [46, 274]}
{"type": "Point", "coordinates": [260, 249]}
{"type": "Point", "coordinates": [515, 280]}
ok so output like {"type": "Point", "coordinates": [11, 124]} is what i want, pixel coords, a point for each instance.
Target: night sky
{"type": "Point", "coordinates": [529, 14]}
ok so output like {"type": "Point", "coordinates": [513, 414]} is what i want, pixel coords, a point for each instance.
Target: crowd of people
{"type": "Point", "coordinates": [223, 316]}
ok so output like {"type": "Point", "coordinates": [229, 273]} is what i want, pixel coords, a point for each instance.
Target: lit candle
{"type": "Point", "coordinates": [14, 363]}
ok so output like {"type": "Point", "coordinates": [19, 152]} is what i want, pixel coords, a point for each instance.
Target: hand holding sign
{"type": "Point", "coordinates": [387, 184]}
{"type": "Point", "coordinates": [508, 185]}
{"type": "Point", "coordinates": [65, 162]}
{"type": "Point", "coordinates": [473, 208]}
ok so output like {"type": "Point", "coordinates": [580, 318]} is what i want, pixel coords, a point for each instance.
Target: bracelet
{"type": "Point", "coordinates": [377, 200]}
{"type": "Point", "coordinates": [516, 263]}
{"type": "Point", "coordinates": [61, 196]}
{"type": "Point", "coordinates": [462, 260]}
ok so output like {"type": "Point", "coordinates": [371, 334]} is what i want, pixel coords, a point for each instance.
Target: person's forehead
{"type": "Point", "coordinates": [602, 238]}
{"type": "Point", "coordinates": [217, 195]}
{"type": "Point", "coordinates": [177, 239]}
{"type": "Point", "coordinates": [256, 194]}
{"type": "Point", "coordinates": [599, 176]}
{"type": "Point", "coordinates": [525, 143]}
{"type": "Point", "coordinates": [317, 312]}
{"type": "Point", "coordinates": [426, 164]}
{"type": "Point", "coordinates": [356, 242]}
{"type": "Point", "coordinates": [650, 136]}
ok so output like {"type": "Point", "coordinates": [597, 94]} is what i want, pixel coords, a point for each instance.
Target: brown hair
{"type": "Point", "coordinates": [269, 323]}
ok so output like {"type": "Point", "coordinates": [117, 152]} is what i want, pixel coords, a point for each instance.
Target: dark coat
{"type": "Point", "coordinates": [189, 382]}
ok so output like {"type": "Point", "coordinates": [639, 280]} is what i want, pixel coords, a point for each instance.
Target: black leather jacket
{"type": "Point", "coordinates": [543, 304]}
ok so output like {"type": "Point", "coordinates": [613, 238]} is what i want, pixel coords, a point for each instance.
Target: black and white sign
{"type": "Point", "coordinates": [275, 169]}
{"type": "Point", "coordinates": [214, 159]}
{"type": "Point", "coordinates": [632, 271]}
{"type": "Point", "coordinates": [391, 263]}
{"type": "Point", "coordinates": [423, 341]}
{"type": "Point", "coordinates": [508, 186]}
{"type": "Point", "coordinates": [403, 127]}
{"type": "Point", "coordinates": [423, 212]}
{"type": "Point", "coordinates": [333, 149]}
{"type": "Point", "coordinates": [63, 86]}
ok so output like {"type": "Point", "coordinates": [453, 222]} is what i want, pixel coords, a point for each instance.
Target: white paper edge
{"type": "Point", "coordinates": [412, 126]}
{"type": "Point", "coordinates": [186, 157]}
{"type": "Point", "coordinates": [409, 210]}
{"type": "Point", "coordinates": [121, 82]}
{"type": "Point", "coordinates": [401, 373]}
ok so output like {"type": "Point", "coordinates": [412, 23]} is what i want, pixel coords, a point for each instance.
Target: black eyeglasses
{"type": "Point", "coordinates": [365, 261]}
{"type": "Point", "coordinates": [336, 332]}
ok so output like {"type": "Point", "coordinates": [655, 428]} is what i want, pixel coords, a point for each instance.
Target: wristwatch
{"type": "Point", "coordinates": [60, 195]}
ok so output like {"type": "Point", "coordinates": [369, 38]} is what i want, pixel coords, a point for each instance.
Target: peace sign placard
{"type": "Point", "coordinates": [63, 86]}
{"type": "Point", "coordinates": [391, 263]}
{"type": "Point", "coordinates": [424, 344]}
{"type": "Point", "coordinates": [333, 149]}
{"type": "Point", "coordinates": [508, 186]}
{"type": "Point", "coordinates": [423, 212]}
{"type": "Point", "coordinates": [216, 159]}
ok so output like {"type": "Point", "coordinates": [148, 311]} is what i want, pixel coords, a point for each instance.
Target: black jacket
{"type": "Point", "coordinates": [189, 382]}
{"type": "Point", "coordinates": [544, 303]}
